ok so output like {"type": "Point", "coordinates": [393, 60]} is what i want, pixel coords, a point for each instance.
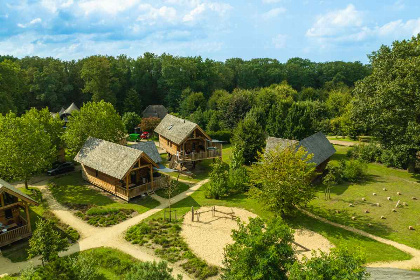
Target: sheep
{"type": "Point", "coordinates": [383, 217]}
{"type": "Point", "coordinates": [410, 227]}
{"type": "Point", "coordinates": [398, 193]}
{"type": "Point", "coordinates": [389, 198]}
{"type": "Point", "coordinates": [367, 211]}
{"type": "Point", "coordinates": [374, 194]}
{"type": "Point", "coordinates": [363, 199]}
{"type": "Point", "coordinates": [384, 189]}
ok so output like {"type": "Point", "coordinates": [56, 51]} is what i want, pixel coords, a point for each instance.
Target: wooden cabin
{"type": "Point", "coordinates": [15, 223]}
{"type": "Point", "coordinates": [120, 170]}
{"type": "Point", "coordinates": [316, 144]}
{"type": "Point", "coordinates": [185, 141]}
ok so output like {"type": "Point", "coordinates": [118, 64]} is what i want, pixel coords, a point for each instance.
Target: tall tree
{"type": "Point", "coordinates": [249, 138]}
{"type": "Point", "coordinates": [96, 74]}
{"type": "Point", "coordinates": [95, 119]}
{"type": "Point", "coordinates": [131, 120]}
{"type": "Point", "coordinates": [25, 145]}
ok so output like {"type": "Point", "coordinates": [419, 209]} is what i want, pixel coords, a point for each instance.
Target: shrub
{"type": "Point", "coordinates": [335, 173]}
{"type": "Point", "coordinates": [222, 135]}
{"type": "Point", "coordinates": [354, 170]}
{"type": "Point", "coordinates": [370, 152]}
{"type": "Point", "coordinates": [151, 271]}
{"type": "Point", "coordinates": [219, 180]}
{"type": "Point", "coordinates": [149, 124]}
{"type": "Point", "coordinates": [399, 156]}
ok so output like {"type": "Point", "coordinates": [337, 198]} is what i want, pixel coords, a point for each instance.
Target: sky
{"type": "Point", "coordinates": [217, 29]}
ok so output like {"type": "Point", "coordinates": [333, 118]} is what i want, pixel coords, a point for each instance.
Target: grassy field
{"type": "Point", "coordinates": [373, 250]}
{"type": "Point", "coordinates": [182, 187]}
{"type": "Point", "coordinates": [395, 225]}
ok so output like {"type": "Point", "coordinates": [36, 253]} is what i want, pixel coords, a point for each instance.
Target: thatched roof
{"type": "Point", "coordinates": [316, 144]}
{"type": "Point", "coordinates": [112, 159]}
{"type": "Point", "coordinates": [149, 147]}
{"type": "Point", "coordinates": [6, 187]}
{"type": "Point", "coordinates": [176, 129]}
{"type": "Point", "coordinates": [158, 111]}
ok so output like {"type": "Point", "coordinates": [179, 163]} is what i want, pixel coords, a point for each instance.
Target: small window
{"type": "Point", "coordinates": [170, 127]}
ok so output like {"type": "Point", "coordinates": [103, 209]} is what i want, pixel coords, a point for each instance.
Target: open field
{"type": "Point", "coordinates": [373, 250]}
{"type": "Point", "coordinates": [395, 225]}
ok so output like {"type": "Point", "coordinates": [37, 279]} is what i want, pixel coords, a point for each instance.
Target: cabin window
{"type": "Point", "coordinates": [170, 127]}
{"type": "Point", "coordinates": [96, 173]}
{"type": "Point", "coordinates": [9, 199]}
{"type": "Point", "coordinates": [8, 213]}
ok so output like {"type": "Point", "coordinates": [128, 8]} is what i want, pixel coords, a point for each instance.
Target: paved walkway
{"type": "Point", "coordinates": [407, 264]}
{"type": "Point", "coordinates": [93, 237]}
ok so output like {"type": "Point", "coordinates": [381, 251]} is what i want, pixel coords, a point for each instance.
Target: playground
{"type": "Point", "coordinates": [209, 229]}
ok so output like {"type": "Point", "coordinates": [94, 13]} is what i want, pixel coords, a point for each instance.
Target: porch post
{"type": "Point", "coordinates": [27, 217]}
{"type": "Point", "coordinates": [126, 185]}
{"type": "Point", "coordinates": [1, 200]}
{"type": "Point", "coordinates": [151, 176]}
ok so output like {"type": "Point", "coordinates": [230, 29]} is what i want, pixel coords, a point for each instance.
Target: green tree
{"type": "Point", "coordinates": [95, 119]}
{"type": "Point", "coordinates": [46, 242]}
{"type": "Point", "coordinates": [260, 251]}
{"type": "Point", "coordinates": [132, 102]}
{"type": "Point", "coordinates": [96, 73]}
{"type": "Point", "coordinates": [238, 175]}
{"type": "Point", "coordinates": [219, 180]}
{"type": "Point", "coordinates": [131, 120]}
{"type": "Point", "coordinates": [389, 100]}
{"type": "Point", "coordinates": [191, 102]}
{"type": "Point", "coordinates": [151, 271]}
{"type": "Point", "coordinates": [282, 178]}
{"type": "Point", "coordinates": [26, 146]}
{"type": "Point", "coordinates": [249, 138]}
{"type": "Point", "coordinates": [338, 264]}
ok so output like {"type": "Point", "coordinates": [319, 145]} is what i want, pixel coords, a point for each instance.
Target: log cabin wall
{"type": "Point", "coordinates": [103, 181]}
{"type": "Point", "coordinates": [15, 215]}
{"type": "Point", "coordinates": [168, 145]}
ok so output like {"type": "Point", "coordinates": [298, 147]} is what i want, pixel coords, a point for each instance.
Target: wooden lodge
{"type": "Point", "coordinates": [185, 141]}
{"type": "Point", "coordinates": [316, 144]}
{"type": "Point", "coordinates": [15, 223]}
{"type": "Point", "coordinates": [120, 170]}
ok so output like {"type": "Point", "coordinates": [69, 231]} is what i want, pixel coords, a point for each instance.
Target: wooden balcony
{"type": "Point", "coordinates": [195, 156]}
{"type": "Point", "coordinates": [15, 234]}
{"type": "Point", "coordinates": [158, 182]}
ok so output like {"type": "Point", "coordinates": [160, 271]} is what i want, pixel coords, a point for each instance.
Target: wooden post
{"type": "Point", "coordinates": [1, 200]}
{"type": "Point", "coordinates": [27, 217]}
{"type": "Point", "coordinates": [192, 213]}
{"type": "Point", "coordinates": [151, 176]}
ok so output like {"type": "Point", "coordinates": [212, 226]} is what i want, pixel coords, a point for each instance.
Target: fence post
{"type": "Point", "coordinates": [192, 213]}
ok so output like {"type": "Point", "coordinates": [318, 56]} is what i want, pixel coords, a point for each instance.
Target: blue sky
{"type": "Point", "coordinates": [318, 30]}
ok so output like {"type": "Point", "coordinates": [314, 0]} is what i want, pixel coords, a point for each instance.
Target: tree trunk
{"type": "Point", "coordinates": [26, 183]}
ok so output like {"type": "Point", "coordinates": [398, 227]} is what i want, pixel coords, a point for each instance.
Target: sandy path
{"type": "Point", "coordinates": [343, 143]}
{"type": "Point", "coordinates": [93, 237]}
{"type": "Point", "coordinates": [407, 264]}
{"type": "Point", "coordinates": [208, 237]}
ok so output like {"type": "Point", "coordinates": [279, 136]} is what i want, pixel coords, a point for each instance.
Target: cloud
{"type": "Point", "coordinates": [32, 22]}
{"type": "Point", "coordinates": [279, 41]}
{"type": "Point", "coordinates": [152, 14]}
{"type": "Point", "coordinates": [197, 12]}
{"type": "Point", "coordinates": [108, 6]}
{"type": "Point", "coordinates": [273, 13]}
{"type": "Point", "coordinates": [399, 28]}
{"type": "Point", "coordinates": [54, 5]}
{"type": "Point", "coordinates": [271, 1]}
{"type": "Point", "coordinates": [336, 22]}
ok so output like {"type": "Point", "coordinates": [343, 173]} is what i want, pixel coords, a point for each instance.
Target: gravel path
{"type": "Point", "coordinates": [414, 262]}
{"type": "Point", "coordinates": [208, 237]}
{"type": "Point", "coordinates": [343, 143]}
{"type": "Point", "coordinates": [92, 237]}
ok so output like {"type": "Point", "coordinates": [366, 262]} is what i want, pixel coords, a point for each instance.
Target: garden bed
{"type": "Point", "coordinates": [165, 239]}
{"type": "Point", "coordinates": [100, 216]}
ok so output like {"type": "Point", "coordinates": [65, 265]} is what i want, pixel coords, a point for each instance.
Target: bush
{"type": "Point", "coordinates": [222, 135]}
{"type": "Point", "coordinates": [151, 271]}
{"type": "Point", "coordinates": [149, 124]}
{"type": "Point", "coordinates": [219, 180]}
{"type": "Point", "coordinates": [335, 173]}
{"type": "Point", "coordinates": [367, 152]}
{"type": "Point", "coordinates": [399, 156]}
{"type": "Point", "coordinates": [354, 170]}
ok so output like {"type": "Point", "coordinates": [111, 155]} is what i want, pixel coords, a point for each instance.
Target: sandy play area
{"type": "Point", "coordinates": [208, 237]}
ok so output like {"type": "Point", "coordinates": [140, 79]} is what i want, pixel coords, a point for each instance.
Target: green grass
{"type": "Point", "coordinates": [374, 251]}
{"type": "Point", "coordinates": [395, 226]}
{"type": "Point", "coordinates": [182, 187]}
{"type": "Point", "coordinates": [73, 189]}
{"type": "Point", "coordinates": [342, 138]}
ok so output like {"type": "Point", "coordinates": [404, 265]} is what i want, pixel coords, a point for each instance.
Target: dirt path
{"type": "Point", "coordinates": [343, 143]}
{"type": "Point", "coordinates": [92, 237]}
{"type": "Point", "coordinates": [407, 264]}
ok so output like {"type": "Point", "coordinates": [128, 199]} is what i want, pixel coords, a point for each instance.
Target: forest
{"type": "Point", "coordinates": [259, 96]}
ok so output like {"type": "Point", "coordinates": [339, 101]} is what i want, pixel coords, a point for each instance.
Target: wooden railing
{"type": "Point", "coordinates": [158, 182]}
{"type": "Point", "coordinates": [14, 235]}
{"type": "Point", "coordinates": [200, 155]}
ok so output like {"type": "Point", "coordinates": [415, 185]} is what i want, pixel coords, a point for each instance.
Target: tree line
{"type": "Point", "coordinates": [132, 84]}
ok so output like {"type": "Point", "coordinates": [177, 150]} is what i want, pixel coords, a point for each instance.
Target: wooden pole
{"type": "Point", "coordinates": [151, 175]}
{"type": "Point", "coordinates": [192, 213]}
{"type": "Point", "coordinates": [1, 200]}
{"type": "Point", "coordinates": [27, 217]}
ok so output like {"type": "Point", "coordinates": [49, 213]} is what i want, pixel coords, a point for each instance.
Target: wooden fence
{"type": "Point", "coordinates": [14, 235]}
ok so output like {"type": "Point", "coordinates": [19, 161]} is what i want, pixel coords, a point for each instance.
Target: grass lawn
{"type": "Point", "coordinates": [182, 187]}
{"type": "Point", "coordinates": [374, 251]}
{"type": "Point", "coordinates": [395, 225]}
{"type": "Point", "coordinates": [17, 251]}
{"type": "Point", "coordinates": [96, 208]}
